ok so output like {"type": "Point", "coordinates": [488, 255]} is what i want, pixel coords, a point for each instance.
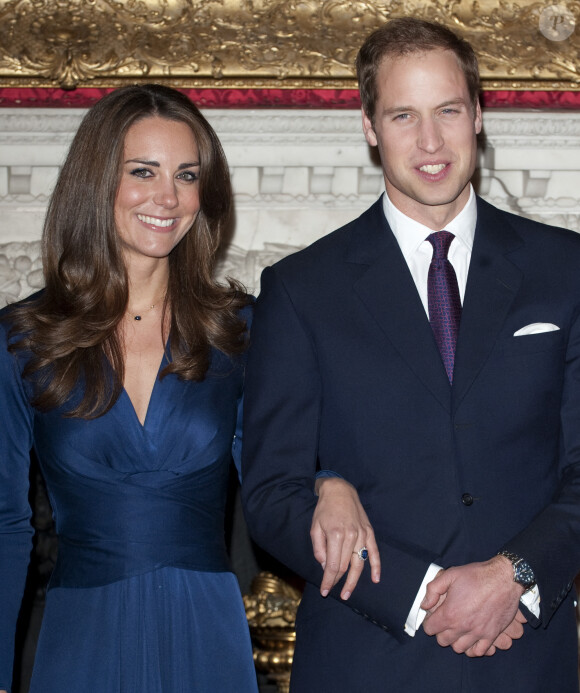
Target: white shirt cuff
{"type": "Point", "coordinates": [417, 614]}
{"type": "Point", "coordinates": [531, 600]}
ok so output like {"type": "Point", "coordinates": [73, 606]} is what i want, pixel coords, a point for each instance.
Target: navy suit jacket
{"type": "Point", "coordinates": [344, 374]}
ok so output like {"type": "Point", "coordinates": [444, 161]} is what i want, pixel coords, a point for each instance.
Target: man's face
{"type": "Point", "coordinates": [425, 128]}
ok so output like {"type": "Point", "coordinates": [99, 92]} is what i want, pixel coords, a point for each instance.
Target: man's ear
{"type": "Point", "coordinates": [368, 129]}
{"type": "Point", "coordinates": [478, 118]}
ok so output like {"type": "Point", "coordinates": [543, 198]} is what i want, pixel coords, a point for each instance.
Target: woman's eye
{"type": "Point", "coordinates": [141, 173]}
{"type": "Point", "coordinates": [188, 176]}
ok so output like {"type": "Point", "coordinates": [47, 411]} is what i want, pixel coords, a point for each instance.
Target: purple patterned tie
{"type": "Point", "coordinates": [444, 300]}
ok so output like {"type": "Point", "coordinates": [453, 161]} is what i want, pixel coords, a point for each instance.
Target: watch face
{"type": "Point", "coordinates": [523, 574]}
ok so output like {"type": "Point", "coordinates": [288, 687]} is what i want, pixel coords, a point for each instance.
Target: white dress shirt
{"type": "Point", "coordinates": [418, 251]}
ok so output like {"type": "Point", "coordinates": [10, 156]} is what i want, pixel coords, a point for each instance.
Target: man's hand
{"type": "Point", "coordinates": [480, 606]}
{"type": "Point", "coordinates": [505, 640]}
{"type": "Point", "coordinates": [340, 526]}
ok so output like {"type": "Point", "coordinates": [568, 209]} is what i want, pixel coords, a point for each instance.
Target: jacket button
{"type": "Point", "coordinates": [467, 499]}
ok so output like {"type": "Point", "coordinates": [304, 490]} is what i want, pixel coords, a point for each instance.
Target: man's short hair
{"type": "Point", "coordinates": [404, 36]}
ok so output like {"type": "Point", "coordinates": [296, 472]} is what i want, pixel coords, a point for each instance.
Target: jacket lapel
{"type": "Point", "coordinates": [492, 283]}
{"type": "Point", "coordinates": [389, 294]}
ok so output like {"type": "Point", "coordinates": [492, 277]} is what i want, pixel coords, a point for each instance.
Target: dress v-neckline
{"type": "Point", "coordinates": [142, 425]}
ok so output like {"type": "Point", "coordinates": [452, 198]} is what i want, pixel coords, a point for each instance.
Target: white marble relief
{"type": "Point", "coordinates": [20, 270]}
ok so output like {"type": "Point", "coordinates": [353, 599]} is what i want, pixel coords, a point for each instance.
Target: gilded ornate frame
{"type": "Point", "coordinates": [269, 44]}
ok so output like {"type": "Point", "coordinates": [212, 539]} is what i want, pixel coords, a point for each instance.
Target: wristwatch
{"type": "Point", "coordinates": [523, 573]}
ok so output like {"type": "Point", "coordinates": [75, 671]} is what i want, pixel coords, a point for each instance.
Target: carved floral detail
{"type": "Point", "coordinates": [261, 43]}
{"type": "Point", "coordinates": [20, 270]}
{"type": "Point", "coordinates": [271, 612]}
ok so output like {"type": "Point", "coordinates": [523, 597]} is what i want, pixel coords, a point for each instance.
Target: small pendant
{"type": "Point", "coordinates": [137, 317]}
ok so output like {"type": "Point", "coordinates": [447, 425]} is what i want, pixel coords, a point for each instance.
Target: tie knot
{"type": "Point", "coordinates": [440, 240]}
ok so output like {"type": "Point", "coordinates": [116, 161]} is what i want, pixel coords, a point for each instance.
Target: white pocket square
{"type": "Point", "coordinates": [536, 328]}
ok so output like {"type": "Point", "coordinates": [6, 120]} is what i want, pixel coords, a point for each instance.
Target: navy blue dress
{"type": "Point", "coordinates": [142, 598]}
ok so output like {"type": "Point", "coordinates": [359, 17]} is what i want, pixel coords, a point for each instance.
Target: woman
{"type": "Point", "coordinates": [125, 374]}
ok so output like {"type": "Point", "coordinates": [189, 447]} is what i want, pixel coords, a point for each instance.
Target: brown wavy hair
{"type": "Point", "coordinates": [404, 36]}
{"type": "Point", "coordinates": [70, 329]}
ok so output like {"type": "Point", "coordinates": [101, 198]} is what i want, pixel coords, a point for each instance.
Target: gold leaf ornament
{"type": "Point", "coordinates": [269, 43]}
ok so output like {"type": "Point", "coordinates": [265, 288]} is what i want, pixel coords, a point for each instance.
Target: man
{"type": "Point", "coordinates": [428, 353]}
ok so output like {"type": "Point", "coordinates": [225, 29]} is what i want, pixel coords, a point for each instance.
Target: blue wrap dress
{"type": "Point", "coordinates": [142, 598]}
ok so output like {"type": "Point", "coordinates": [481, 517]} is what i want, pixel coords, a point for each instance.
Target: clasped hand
{"type": "Point", "coordinates": [474, 608]}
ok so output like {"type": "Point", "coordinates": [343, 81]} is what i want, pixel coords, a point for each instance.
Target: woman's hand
{"type": "Point", "coordinates": [340, 528]}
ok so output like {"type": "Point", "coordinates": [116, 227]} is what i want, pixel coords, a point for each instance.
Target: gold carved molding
{"type": "Point", "coordinates": [271, 612]}
{"type": "Point", "coordinates": [299, 44]}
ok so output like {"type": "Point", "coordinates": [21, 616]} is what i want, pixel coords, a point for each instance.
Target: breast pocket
{"type": "Point", "coordinates": [532, 343]}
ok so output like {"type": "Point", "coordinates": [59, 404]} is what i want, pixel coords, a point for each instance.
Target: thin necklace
{"type": "Point", "coordinates": [139, 316]}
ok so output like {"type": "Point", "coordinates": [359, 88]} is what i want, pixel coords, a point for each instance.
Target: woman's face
{"type": "Point", "coordinates": [158, 196]}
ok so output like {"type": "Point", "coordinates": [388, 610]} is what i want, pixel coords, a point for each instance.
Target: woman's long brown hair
{"type": "Point", "coordinates": [70, 331]}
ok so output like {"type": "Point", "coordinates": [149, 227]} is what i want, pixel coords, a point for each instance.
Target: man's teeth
{"type": "Point", "coordinates": [432, 168]}
{"type": "Point", "coordinates": [163, 223]}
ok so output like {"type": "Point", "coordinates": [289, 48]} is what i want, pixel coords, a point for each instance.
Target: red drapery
{"type": "Point", "coordinates": [275, 98]}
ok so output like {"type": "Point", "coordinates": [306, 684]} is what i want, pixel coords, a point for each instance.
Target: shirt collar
{"type": "Point", "coordinates": [410, 233]}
